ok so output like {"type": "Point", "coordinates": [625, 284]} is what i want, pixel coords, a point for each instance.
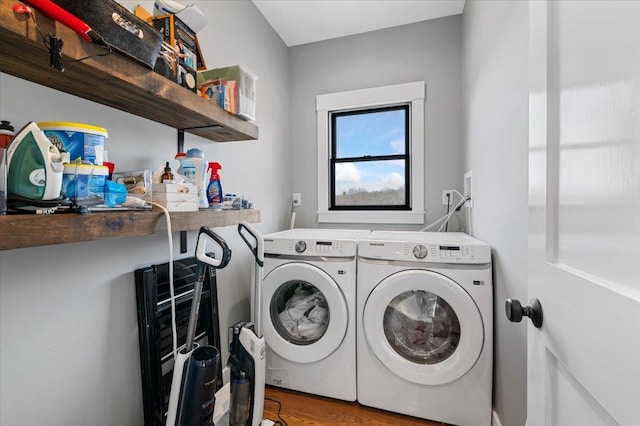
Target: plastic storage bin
{"type": "Point", "coordinates": [83, 142]}
{"type": "Point", "coordinates": [245, 84]}
{"type": "Point", "coordinates": [84, 183]}
{"type": "Point", "coordinates": [139, 189]}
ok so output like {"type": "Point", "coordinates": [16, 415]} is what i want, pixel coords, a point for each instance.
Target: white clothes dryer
{"type": "Point", "coordinates": [425, 326]}
{"type": "Point", "coordinates": [309, 310]}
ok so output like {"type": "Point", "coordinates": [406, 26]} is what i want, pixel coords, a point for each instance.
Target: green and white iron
{"type": "Point", "coordinates": [34, 165]}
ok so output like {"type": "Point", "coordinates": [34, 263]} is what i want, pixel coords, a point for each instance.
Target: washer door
{"type": "Point", "coordinates": [423, 327]}
{"type": "Point", "coordinates": [305, 313]}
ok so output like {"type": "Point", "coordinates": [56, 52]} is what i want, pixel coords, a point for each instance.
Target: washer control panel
{"type": "Point", "coordinates": [311, 247]}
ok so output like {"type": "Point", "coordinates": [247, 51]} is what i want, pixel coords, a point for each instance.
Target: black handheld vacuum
{"type": "Point", "coordinates": [193, 385]}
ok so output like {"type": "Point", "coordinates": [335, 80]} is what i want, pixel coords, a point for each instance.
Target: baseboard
{"type": "Point", "coordinates": [226, 375]}
{"type": "Point", "coordinates": [495, 420]}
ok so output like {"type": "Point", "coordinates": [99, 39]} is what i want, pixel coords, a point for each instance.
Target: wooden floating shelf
{"type": "Point", "coordinates": [21, 231]}
{"type": "Point", "coordinates": [111, 80]}
{"type": "Point", "coordinates": [120, 83]}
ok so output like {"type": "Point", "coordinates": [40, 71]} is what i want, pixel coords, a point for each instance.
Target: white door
{"type": "Point", "coordinates": [584, 207]}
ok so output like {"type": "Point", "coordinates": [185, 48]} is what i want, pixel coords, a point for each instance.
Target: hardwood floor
{"type": "Point", "coordinates": [309, 410]}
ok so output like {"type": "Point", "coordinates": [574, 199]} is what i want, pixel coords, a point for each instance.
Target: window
{"type": "Point", "coordinates": [371, 155]}
{"type": "Point", "coordinates": [370, 159]}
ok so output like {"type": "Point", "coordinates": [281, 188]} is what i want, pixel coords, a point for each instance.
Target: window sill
{"type": "Point", "coordinates": [398, 217]}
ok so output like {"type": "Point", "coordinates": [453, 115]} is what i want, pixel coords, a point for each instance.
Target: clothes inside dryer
{"type": "Point", "coordinates": [299, 312]}
{"type": "Point", "coordinates": [422, 327]}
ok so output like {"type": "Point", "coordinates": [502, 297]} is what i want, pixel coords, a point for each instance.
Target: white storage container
{"type": "Point", "coordinates": [246, 85]}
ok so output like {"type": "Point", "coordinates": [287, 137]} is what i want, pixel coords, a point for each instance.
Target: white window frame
{"type": "Point", "coordinates": [412, 93]}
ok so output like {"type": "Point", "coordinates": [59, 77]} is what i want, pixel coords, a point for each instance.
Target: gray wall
{"type": "Point", "coordinates": [429, 51]}
{"type": "Point", "coordinates": [68, 327]}
{"type": "Point", "coordinates": [496, 146]}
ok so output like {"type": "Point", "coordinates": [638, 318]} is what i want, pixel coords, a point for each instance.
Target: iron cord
{"type": "Point", "coordinates": [54, 45]}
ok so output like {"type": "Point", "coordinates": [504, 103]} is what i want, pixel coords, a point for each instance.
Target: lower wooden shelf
{"type": "Point", "coordinates": [20, 231]}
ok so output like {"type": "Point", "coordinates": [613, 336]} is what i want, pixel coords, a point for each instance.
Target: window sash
{"type": "Point", "coordinates": [337, 114]}
{"type": "Point", "coordinates": [407, 185]}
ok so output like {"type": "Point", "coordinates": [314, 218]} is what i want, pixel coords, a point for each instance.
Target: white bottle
{"type": "Point", "coordinates": [196, 157]}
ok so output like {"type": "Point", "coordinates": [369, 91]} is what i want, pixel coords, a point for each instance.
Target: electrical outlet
{"type": "Point", "coordinates": [297, 199]}
{"type": "Point", "coordinates": [447, 200]}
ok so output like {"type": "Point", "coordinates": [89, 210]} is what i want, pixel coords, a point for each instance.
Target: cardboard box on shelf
{"type": "Point", "coordinates": [222, 92]}
{"type": "Point", "coordinates": [180, 63]}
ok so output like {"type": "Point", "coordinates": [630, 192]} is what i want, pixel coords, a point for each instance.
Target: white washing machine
{"type": "Point", "coordinates": [425, 326]}
{"type": "Point", "coordinates": [309, 310]}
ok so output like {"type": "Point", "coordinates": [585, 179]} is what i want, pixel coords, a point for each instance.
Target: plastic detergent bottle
{"type": "Point", "coordinates": [195, 159]}
{"type": "Point", "coordinates": [187, 168]}
{"type": "Point", "coordinates": [214, 190]}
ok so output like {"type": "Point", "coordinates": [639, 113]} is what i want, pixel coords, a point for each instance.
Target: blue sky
{"type": "Point", "coordinates": [380, 133]}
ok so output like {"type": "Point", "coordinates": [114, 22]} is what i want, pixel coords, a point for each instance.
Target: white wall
{"type": "Point", "coordinates": [496, 148]}
{"type": "Point", "coordinates": [68, 327]}
{"type": "Point", "coordinates": [429, 51]}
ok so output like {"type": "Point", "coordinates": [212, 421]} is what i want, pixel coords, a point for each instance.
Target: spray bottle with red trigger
{"type": "Point", "coordinates": [214, 190]}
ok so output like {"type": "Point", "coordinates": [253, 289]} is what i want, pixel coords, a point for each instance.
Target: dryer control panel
{"type": "Point", "coordinates": [424, 251]}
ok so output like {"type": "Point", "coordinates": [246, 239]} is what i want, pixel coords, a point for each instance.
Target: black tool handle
{"type": "Point", "coordinates": [204, 259]}
{"type": "Point", "coordinates": [205, 235]}
{"type": "Point", "coordinates": [255, 246]}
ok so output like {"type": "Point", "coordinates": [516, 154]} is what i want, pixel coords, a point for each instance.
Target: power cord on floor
{"type": "Point", "coordinates": [280, 421]}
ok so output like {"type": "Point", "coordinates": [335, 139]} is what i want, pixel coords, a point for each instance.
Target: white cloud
{"type": "Point", "coordinates": [394, 181]}
{"type": "Point", "coordinates": [397, 145]}
{"type": "Point", "coordinates": [347, 173]}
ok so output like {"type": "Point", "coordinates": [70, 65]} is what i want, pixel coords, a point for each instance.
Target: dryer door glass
{"type": "Point", "coordinates": [299, 312]}
{"type": "Point", "coordinates": [422, 327]}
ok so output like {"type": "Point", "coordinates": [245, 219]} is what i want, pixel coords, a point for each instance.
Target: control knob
{"type": "Point", "coordinates": [420, 251]}
{"type": "Point", "coordinates": [301, 246]}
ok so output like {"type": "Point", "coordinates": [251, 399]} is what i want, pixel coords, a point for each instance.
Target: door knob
{"type": "Point", "coordinates": [515, 311]}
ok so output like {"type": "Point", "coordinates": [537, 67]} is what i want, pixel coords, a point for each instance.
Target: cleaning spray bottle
{"type": "Point", "coordinates": [214, 190]}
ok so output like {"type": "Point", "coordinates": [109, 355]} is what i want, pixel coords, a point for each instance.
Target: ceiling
{"type": "Point", "coordinates": [305, 21]}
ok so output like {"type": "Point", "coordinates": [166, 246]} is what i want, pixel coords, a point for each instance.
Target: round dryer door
{"type": "Point", "coordinates": [305, 312]}
{"type": "Point", "coordinates": [423, 327]}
